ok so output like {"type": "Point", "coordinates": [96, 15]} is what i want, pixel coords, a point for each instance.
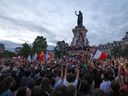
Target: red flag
{"type": "Point", "coordinates": [102, 56]}
{"type": "Point", "coordinates": [40, 56]}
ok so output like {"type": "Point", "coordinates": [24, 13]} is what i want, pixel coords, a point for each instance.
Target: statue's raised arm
{"type": "Point", "coordinates": [80, 18]}
{"type": "Point", "coordinates": [76, 13]}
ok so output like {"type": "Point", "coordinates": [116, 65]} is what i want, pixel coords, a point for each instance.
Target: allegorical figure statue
{"type": "Point", "coordinates": [80, 18]}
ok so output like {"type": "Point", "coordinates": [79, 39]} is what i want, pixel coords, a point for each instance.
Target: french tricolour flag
{"type": "Point", "coordinates": [99, 55]}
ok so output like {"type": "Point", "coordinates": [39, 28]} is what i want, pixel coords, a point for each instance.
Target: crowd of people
{"type": "Point", "coordinates": [64, 78]}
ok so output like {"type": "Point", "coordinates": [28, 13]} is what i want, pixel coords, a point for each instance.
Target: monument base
{"type": "Point", "coordinates": [79, 38]}
{"type": "Point", "coordinates": [79, 46]}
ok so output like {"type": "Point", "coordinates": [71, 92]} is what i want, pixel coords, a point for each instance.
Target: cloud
{"type": "Point", "coordinates": [22, 20]}
{"type": "Point", "coordinates": [10, 45]}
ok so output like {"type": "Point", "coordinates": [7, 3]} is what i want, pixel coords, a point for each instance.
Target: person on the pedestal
{"type": "Point", "coordinates": [80, 18]}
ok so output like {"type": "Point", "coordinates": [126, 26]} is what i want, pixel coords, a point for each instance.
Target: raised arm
{"type": "Point", "coordinates": [119, 74]}
{"type": "Point", "coordinates": [61, 75]}
{"type": "Point", "coordinates": [65, 74]}
{"type": "Point", "coordinates": [125, 67]}
{"type": "Point", "coordinates": [77, 71]}
{"type": "Point", "coordinates": [76, 13]}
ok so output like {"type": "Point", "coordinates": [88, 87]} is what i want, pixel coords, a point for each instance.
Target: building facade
{"type": "Point", "coordinates": [107, 47]}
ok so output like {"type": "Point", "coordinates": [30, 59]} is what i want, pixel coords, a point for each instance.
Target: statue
{"type": "Point", "coordinates": [80, 18]}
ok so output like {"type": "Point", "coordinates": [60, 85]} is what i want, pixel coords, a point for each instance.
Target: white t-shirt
{"type": "Point", "coordinates": [66, 83]}
{"type": "Point", "coordinates": [105, 86]}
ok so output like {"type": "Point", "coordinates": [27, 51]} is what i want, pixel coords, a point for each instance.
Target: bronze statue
{"type": "Point", "coordinates": [80, 18]}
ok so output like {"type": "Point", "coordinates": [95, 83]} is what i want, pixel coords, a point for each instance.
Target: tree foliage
{"type": "Point", "coordinates": [25, 50]}
{"type": "Point", "coordinates": [125, 51]}
{"type": "Point", "coordinates": [120, 51]}
{"type": "Point", "coordinates": [116, 51]}
{"type": "Point", "coordinates": [7, 54]}
{"type": "Point", "coordinates": [60, 49]}
{"type": "Point", "coordinates": [40, 44]}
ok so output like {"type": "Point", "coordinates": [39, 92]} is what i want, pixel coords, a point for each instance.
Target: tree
{"type": "Point", "coordinates": [40, 44]}
{"type": "Point", "coordinates": [7, 54]}
{"type": "Point", "coordinates": [25, 50]}
{"type": "Point", "coordinates": [60, 49]}
{"type": "Point", "coordinates": [116, 51]}
{"type": "Point", "coordinates": [125, 51]}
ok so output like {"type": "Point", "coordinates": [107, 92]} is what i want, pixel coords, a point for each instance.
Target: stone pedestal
{"type": "Point", "coordinates": [79, 45]}
{"type": "Point", "coordinates": [79, 38]}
